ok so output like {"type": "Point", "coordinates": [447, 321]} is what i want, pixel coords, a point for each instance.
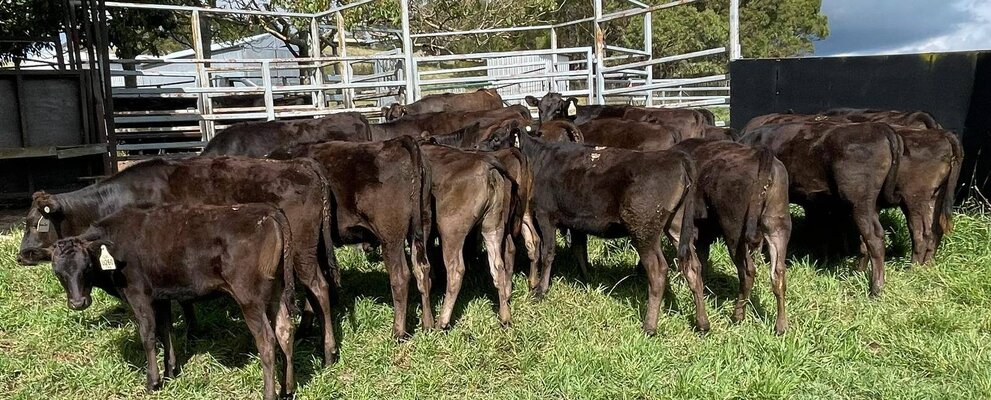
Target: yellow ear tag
{"type": "Point", "coordinates": [572, 109]}
{"type": "Point", "coordinates": [43, 226]}
{"type": "Point", "coordinates": [106, 260]}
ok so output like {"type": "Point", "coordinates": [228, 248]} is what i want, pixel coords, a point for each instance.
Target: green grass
{"type": "Point", "coordinates": [928, 336]}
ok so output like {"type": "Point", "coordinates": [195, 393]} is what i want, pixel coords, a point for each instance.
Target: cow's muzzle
{"type": "Point", "coordinates": [33, 256]}
{"type": "Point", "coordinates": [80, 304]}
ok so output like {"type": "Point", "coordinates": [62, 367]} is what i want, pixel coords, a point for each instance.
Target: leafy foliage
{"type": "Point", "coordinates": [28, 26]}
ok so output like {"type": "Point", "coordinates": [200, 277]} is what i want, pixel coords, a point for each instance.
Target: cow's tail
{"type": "Point", "coordinates": [326, 228]}
{"type": "Point", "coordinates": [897, 147]}
{"type": "Point", "coordinates": [949, 187]}
{"type": "Point", "coordinates": [756, 205]}
{"type": "Point", "coordinates": [516, 209]}
{"type": "Point", "coordinates": [288, 261]}
{"type": "Point", "coordinates": [422, 216]}
{"type": "Point", "coordinates": [526, 184]}
{"type": "Point", "coordinates": [690, 203]}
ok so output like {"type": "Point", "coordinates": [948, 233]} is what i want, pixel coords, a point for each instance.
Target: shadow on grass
{"type": "Point", "coordinates": [834, 243]}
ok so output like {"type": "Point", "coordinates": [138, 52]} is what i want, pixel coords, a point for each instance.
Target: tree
{"type": "Point", "coordinates": [28, 26]}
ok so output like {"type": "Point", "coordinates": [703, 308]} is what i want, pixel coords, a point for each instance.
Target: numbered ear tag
{"type": "Point", "coordinates": [106, 260]}
{"type": "Point", "coordinates": [43, 226]}
{"type": "Point", "coordinates": [572, 109]}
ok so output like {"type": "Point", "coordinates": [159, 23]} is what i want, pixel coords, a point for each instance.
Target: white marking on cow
{"type": "Point", "coordinates": [106, 260]}
{"type": "Point", "coordinates": [600, 147]}
{"type": "Point", "coordinates": [528, 128]}
{"type": "Point", "coordinates": [235, 208]}
{"type": "Point", "coordinates": [47, 210]}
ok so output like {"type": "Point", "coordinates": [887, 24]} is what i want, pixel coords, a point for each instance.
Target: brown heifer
{"type": "Point", "coordinates": [479, 100]}
{"type": "Point", "coordinates": [690, 123]}
{"type": "Point", "coordinates": [910, 119]}
{"type": "Point", "coordinates": [447, 122]}
{"type": "Point", "coordinates": [381, 196]}
{"type": "Point", "coordinates": [914, 119]}
{"type": "Point", "coordinates": [298, 187]}
{"type": "Point", "coordinates": [256, 139]}
{"type": "Point", "coordinates": [844, 167]}
{"type": "Point", "coordinates": [152, 256]}
{"type": "Point", "coordinates": [609, 193]}
{"type": "Point", "coordinates": [469, 191]}
{"type": "Point", "coordinates": [746, 199]}
{"type": "Point", "coordinates": [927, 178]}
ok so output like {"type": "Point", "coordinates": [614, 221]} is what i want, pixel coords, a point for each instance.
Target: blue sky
{"type": "Point", "coordinates": [905, 26]}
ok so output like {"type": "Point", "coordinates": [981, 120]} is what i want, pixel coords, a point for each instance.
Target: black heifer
{"type": "Point", "coordinates": [925, 187]}
{"type": "Point", "coordinates": [256, 139]}
{"type": "Point", "coordinates": [447, 122]}
{"type": "Point", "coordinates": [297, 187]}
{"type": "Point", "coordinates": [181, 252]}
{"type": "Point", "coordinates": [381, 195]}
{"type": "Point", "coordinates": [746, 199]}
{"type": "Point", "coordinates": [472, 190]}
{"type": "Point", "coordinates": [609, 193]}
{"type": "Point", "coordinates": [690, 123]}
{"type": "Point", "coordinates": [842, 168]}
{"type": "Point", "coordinates": [910, 119]}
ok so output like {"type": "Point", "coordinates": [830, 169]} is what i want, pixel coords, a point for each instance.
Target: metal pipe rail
{"type": "Point", "coordinates": [644, 88]}
{"type": "Point", "coordinates": [679, 57]}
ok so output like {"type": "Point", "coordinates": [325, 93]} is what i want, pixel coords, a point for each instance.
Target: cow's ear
{"type": "Point", "coordinates": [575, 134]}
{"type": "Point", "coordinates": [532, 101]}
{"type": "Point", "coordinates": [46, 204]}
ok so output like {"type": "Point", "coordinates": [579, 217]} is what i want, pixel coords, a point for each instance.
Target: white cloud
{"type": "Point", "coordinates": [974, 34]}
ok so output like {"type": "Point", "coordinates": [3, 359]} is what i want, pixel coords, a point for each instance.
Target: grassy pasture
{"type": "Point", "coordinates": [928, 336]}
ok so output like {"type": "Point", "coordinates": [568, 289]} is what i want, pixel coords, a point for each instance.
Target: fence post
{"type": "Point", "coordinates": [591, 78]}
{"type": "Point", "coordinates": [267, 83]}
{"type": "Point", "coordinates": [317, 51]}
{"type": "Point", "coordinates": [408, 67]}
{"type": "Point", "coordinates": [345, 65]}
{"type": "Point", "coordinates": [599, 53]}
{"type": "Point", "coordinates": [203, 103]}
{"type": "Point", "coordinates": [734, 29]}
{"type": "Point", "coordinates": [553, 68]}
{"type": "Point", "coordinates": [648, 46]}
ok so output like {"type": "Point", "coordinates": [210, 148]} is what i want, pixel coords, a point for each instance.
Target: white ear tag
{"type": "Point", "coordinates": [43, 226]}
{"type": "Point", "coordinates": [528, 128]}
{"type": "Point", "coordinates": [516, 141]}
{"type": "Point", "coordinates": [106, 260]}
{"type": "Point", "coordinates": [572, 110]}
{"type": "Point", "coordinates": [48, 210]}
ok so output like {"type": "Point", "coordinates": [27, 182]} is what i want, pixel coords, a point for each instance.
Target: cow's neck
{"type": "Point", "coordinates": [88, 205]}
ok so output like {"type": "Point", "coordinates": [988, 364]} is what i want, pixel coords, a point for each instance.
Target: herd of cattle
{"type": "Point", "coordinates": [266, 203]}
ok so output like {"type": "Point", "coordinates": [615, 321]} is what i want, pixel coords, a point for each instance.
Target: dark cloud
{"type": "Point", "coordinates": [858, 26]}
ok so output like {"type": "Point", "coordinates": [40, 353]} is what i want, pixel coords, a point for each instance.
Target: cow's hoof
{"type": "Point", "coordinates": [702, 327]}
{"type": "Point", "coordinates": [780, 327]}
{"type": "Point", "coordinates": [331, 359]}
{"type": "Point", "coordinates": [651, 332]}
{"type": "Point", "coordinates": [506, 324]}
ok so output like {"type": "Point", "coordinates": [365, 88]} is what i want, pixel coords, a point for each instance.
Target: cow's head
{"type": "Point", "coordinates": [503, 137]}
{"type": "Point", "coordinates": [554, 106]}
{"type": "Point", "coordinates": [75, 262]}
{"type": "Point", "coordinates": [393, 112]}
{"type": "Point", "coordinates": [559, 131]}
{"type": "Point", "coordinates": [41, 229]}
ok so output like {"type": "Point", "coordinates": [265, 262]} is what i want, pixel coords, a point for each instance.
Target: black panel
{"type": "Point", "coordinates": [954, 87]}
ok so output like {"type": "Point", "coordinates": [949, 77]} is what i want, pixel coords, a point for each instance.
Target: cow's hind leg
{"type": "Point", "coordinates": [579, 247]}
{"type": "Point", "coordinates": [745, 270]}
{"type": "Point", "coordinates": [395, 262]}
{"type": "Point", "coordinates": [256, 316]}
{"type": "Point", "coordinates": [531, 239]}
{"type": "Point", "coordinates": [279, 313]}
{"type": "Point", "coordinates": [421, 271]}
{"type": "Point", "coordinates": [493, 231]}
{"type": "Point", "coordinates": [547, 249]}
{"type": "Point", "coordinates": [318, 299]}
{"type": "Point", "coordinates": [872, 235]}
{"type": "Point", "coordinates": [657, 272]}
{"type": "Point", "coordinates": [453, 244]}
{"type": "Point", "coordinates": [163, 326]}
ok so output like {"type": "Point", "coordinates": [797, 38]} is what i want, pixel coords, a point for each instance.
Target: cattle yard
{"type": "Point", "coordinates": [385, 225]}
